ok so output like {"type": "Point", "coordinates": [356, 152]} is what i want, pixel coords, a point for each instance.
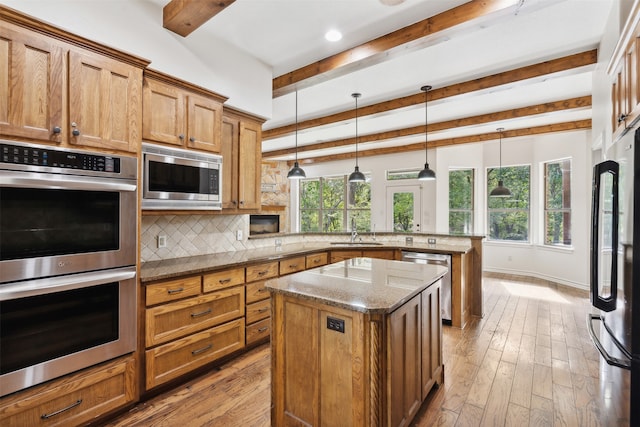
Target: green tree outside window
{"type": "Point", "coordinates": [461, 201]}
{"type": "Point", "coordinates": [508, 217]}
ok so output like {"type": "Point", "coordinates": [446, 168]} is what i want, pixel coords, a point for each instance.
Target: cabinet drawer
{"type": "Point", "coordinates": [343, 255]}
{"type": "Point", "coordinates": [256, 292]}
{"type": "Point", "coordinates": [179, 357]}
{"type": "Point", "coordinates": [292, 265]}
{"type": "Point", "coordinates": [73, 401]}
{"type": "Point", "coordinates": [180, 318]}
{"type": "Point", "coordinates": [172, 290]}
{"type": "Point", "coordinates": [258, 331]}
{"type": "Point", "coordinates": [316, 260]}
{"type": "Point", "coordinates": [380, 254]}
{"type": "Point", "coordinates": [262, 271]}
{"type": "Point", "coordinates": [222, 279]}
{"type": "Point", "coordinates": [258, 311]}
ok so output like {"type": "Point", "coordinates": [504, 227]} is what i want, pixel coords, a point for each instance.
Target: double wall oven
{"type": "Point", "coordinates": [68, 248]}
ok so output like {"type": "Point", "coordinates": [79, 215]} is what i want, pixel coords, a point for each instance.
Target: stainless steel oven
{"type": "Point", "coordinates": [68, 250]}
{"type": "Point", "coordinates": [180, 179]}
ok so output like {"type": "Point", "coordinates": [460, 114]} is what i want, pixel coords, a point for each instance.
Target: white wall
{"type": "Point", "coordinates": [136, 27]}
{"type": "Point", "coordinates": [567, 265]}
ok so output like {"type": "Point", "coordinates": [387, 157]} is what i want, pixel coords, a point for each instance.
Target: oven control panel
{"type": "Point", "coordinates": [56, 158]}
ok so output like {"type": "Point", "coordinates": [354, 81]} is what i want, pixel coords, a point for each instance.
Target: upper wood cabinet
{"type": "Point", "coordinates": [178, 113]}
{"type": "Point", "coordinates": [57, 87]}
{"type": "Point", "coordinates": [242, 158]}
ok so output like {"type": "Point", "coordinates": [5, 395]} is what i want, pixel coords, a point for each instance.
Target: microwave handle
{"type": "Point", "coordinates": [608, 303]}
{"type": "Point", "coordinates": [62, 182]}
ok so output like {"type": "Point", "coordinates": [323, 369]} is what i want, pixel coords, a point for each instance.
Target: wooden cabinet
{"type": "Point", "coordinates": [56, 87]}
{"type": "Point", "coordinates": [430, 318]}
{"type": "Point", "coordinates": [192, 321]}
{"type": "Point", "coordinates": [181, 114]}
{"type": "Point", "coordinates": [292, 265]}
{"type": "Point", "coordinates": [242, 156]}
{"type": "Point", "coordinates": [75, 399]}
{"type": "Point", "coordinates": [342, 254]}
{"type": "Point", "coordinates": [258, 311]}
{"type": "Point", "coordinates": [262, 271]}
{"type": "Point", "coordinates": [316, 260]}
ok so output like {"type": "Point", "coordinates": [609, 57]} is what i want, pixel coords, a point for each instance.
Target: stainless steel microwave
{"type": "Point", "coordinates": [180, 179]}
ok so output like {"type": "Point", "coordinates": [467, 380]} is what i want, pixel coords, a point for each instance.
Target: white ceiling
{"type": "Point", "coordinates": [288, 34]}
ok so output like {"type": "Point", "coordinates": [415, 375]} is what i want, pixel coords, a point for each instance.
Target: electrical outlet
{"type": "Point", "coordinates": [239, 235]}
{"type": "Point", "coordinates": [335, 324]}
{"type": "Point", "coordinates": [162, 241]}
{"type": "Point", "coordinates": [431, 241]}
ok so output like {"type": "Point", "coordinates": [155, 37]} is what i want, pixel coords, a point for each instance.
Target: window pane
{"type": "Point", "coordinates": [512, 226]}
{"type": "Point", "coordinates": [460, 222]}
{"type": "Point", "coordinates": [359, 195]}
{"type": "Point", "coordinates": [362, 217]}
{"type": "Point", "coordinates": [461, 189]}
{"type": "Point", "coordinates": [310, 194]}
{"type": "Point", "coordinates": [333, 193]}
{"type": "Point", "coordinates": [332, 220]}
{"type": "Point", "coordinates": [516, 179]}
{"type": "Point", "coordinates": [402, 174]}
{"type": "Point", "coordinates": [558, 185]}
{"type": "Point", "coordinates": [403, 212]}
{"type": "Point", "coordinates": [309, 220]}
{"type": "Point", "coordinates": [558, 226]}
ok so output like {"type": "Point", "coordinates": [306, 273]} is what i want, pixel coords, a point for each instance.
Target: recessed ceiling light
{"type": "Point", "coordinates": [333, 35]}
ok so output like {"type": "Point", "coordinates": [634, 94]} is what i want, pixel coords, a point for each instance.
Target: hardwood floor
{"type": "Point", "coordinates": [528, 362]}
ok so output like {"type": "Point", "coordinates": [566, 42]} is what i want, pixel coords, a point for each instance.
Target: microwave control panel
{"type": "Point", "coordinates": [54, 158]}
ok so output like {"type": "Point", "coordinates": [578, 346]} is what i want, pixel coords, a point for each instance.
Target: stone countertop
{"type": "Point", "coordinates": [176, 267]}
{"type": "Point", "coordinates": [366, 285]}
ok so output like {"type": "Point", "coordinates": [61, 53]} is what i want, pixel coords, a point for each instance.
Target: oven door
{"type": "Point", "coordinates": [55, 224]}
{"type": "Point", "coordinates": [55, 326]}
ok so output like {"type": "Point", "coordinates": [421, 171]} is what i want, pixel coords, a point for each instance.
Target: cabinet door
{"type": "Point", "coordinates": [250, 158]}
{"type": "Point", "coordinates": [229, 151]}
{"type": "Point", "coordinates": [204, 123]}
{"type": "Point", "coordinates": [31, 85]}
{"type": "Point", "coordinates": [105, 104]}
{"type": "Point", "coordinates": [431, 338]}
{"type": "Point", "coordinates": [163, 118]}
{"type": "Point", "coordinates": [405, 363]}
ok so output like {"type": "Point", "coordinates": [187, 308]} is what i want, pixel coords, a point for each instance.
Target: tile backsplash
{"type": "Point", "coordinates": [192, 235]}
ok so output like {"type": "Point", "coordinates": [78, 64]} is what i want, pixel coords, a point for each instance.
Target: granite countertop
{"type": "Point", "coordinates": [176, 267]}
{"type": "Point", "coordinates": [366, 285]}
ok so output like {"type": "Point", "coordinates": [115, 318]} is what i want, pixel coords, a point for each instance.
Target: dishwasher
{"type": "Point", "coordinates": [436, 259]}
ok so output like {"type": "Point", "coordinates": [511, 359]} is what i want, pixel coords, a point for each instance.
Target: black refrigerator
{"type": "Point", "coordinates": [614, 324]}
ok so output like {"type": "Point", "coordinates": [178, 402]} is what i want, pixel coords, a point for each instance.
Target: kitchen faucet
{"type": "Point", "coordinates": [354, 232]}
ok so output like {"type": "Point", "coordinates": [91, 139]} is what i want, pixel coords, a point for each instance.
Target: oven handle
{"type": "Point", "coordinates": [63, 182]}
{"type": "Point", "coordinates": [11, 291]}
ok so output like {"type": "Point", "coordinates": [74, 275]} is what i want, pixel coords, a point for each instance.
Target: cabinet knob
{"type": "Point", "coordinates": [57, 129]}
{"type": "Point", "coordinates": [242, 202]}
{"type": "Point", "coordinates": [75, 130]}
{"type": "Point", "coordinates": [181, 136]}
{"type": "Point", "coordinates": [192, 139]}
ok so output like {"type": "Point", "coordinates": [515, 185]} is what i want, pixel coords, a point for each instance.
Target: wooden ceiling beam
{"type": "Point", "coordinates": [537, 130]}
{"type": "Point", "coordinates": [185, 16]}
{"type": "Point", "coordinates": [396, 43]}
{"type": "Point", "coordinates": [557, 67]}
{"type": "Point", "coordinates": [548, 107]}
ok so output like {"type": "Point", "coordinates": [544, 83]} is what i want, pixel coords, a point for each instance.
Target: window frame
{"type": "Point", "coordinates": [564, 210]}
{"type": "Point", "coordinates": [470, 211]}
{"type": "Point", "coordinates": [506, 210]}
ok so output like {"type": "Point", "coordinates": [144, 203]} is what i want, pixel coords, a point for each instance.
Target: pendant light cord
{"type": "Point", "coordinates": [296, 126]}
{"type": "Point", "coordinates": [426, 116]}
{"type": "Point", "coordinates": [356, 96]}
{"type": "Point", "coordinates": [500, 130]}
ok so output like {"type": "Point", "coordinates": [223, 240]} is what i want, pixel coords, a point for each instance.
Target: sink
{"type": "Point", "coordinates": [356, 243]}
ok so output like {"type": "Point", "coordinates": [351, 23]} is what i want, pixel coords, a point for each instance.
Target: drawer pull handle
{"type": "Point", "coordinates": [174, 291]}
{"type": "Point", "coordinates": [201, 350]}
{"type": "Point", "coordinates": [262, 290]}
{"type": "Point", "coordinates": [316, 261]}
{"type": "Point", "coordinates": [202, 313]}
{"type": "Point", "coordinates": [263, 329]}
{"type": "Point", "coordinates": [59, 411]}
{"type": "Point", "coordinates": [263, 309]}
{"type": "Point", "coordinates": [263, 272]}
{"type": "Point", "coordinates": [223, 281]}
{"type": "Point", "coordinates": [293, 265]}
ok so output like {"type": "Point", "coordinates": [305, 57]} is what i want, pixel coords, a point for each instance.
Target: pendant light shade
{"type": "Point", "coordinates": [500, 190]}
{"type": "Point", "coordinates": [426, 174]}
{"type": "Point", "coordinates": [356, 175]}
{"type": "Point", "coordinates": [296, 171]}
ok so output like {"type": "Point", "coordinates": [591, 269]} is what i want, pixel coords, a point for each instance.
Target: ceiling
{"type": "Point", "coordinates": [523, 65]}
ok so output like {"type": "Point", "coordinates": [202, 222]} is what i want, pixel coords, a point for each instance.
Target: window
{"type": "Point", "coordinates": [557, 203]}
{"type": "Point", "coordinates": [395, 175]}
{"type": "Point", "coordinates": [330, 204]}
{"type": "Point", "coordinates": [461, 201]}
{"type": "Point", "coordinates": [508, 217]}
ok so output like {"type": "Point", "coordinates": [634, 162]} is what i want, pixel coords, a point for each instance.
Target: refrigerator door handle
{"type": "Point", "coordinates": [613, 361]}
{"type": "Point", "coordinates": [605, 303]}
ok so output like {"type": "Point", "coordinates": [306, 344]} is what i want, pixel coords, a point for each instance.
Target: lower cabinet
{"type": "Point", "coordinates": [75, 399]}
{"type": "Point", "coordinates": [258, 313]}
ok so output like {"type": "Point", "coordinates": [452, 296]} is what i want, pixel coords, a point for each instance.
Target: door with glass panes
{"type": "Point", "coordinates": [404, 205]}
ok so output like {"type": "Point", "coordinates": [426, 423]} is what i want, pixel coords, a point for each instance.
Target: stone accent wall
{"type": "Point", "coordinates": [275, 191]}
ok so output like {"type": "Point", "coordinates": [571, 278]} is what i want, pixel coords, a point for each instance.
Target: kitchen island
{"type": "Point", "coordinates": [355, 343]}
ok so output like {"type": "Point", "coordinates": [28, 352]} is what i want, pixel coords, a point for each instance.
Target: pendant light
{"type": "Point", "coordinates": [296, 171]}
{"type": "Point", "coordinates": [426, 174]}
{"type": "Point", "coordinates": [500, 190]}
{"type": "Point", "coordinates": [356, 175]}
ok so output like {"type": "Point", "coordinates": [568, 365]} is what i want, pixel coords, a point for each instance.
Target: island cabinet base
{"type": "Point", "coordinates": [337, 367]}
